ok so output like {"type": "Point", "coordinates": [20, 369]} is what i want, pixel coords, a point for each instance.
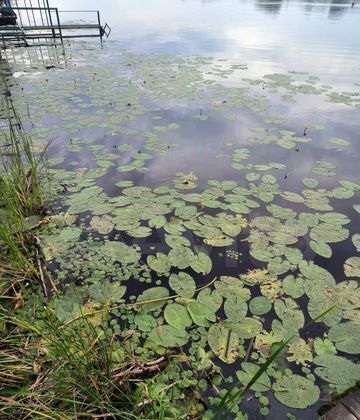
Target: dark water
{"type": "Point", "coordinates": [321, 38]}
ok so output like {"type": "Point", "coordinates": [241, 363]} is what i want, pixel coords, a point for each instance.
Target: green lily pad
{"type": "Point", "coordinates": [310, 182]}
{"type": "Point", "coordinates": [102, 224]}
{"type": "Point", "coordinates": [356, 241]}
{"type": "Point", "coordinates": [338, 371]}
{"type": "Point", "coordinates": [296, 391]}
{"type": "Point", "coordinates": [224, 343]}
{"type": "Point", "coordinates": [352, 267]}
{"type": "Point", "coordinates": [260, 305]}
{"type": "Point", "coordinates": [168, 336]}
{"type": "Point", "coordinates": [293, 287]}
{"type": "Point", "coordinates": [201, 263]}
{"type": "Point", "coordinates": [182, 284]}
{"type": "Point", "coordinates": [176, 241]}
{"type": "Point", "coordinates": [201, 314]}
{"type": "Point", "coordinates": [346, 337]}
{"type": "Point", "coordinates": [235, 308]}
{"type": "Point", "coordinates": [155, 296]}
{"type": "Point", "coordinates": [232, 286]}
{"type": "Point", "coordinates": [159, 263]}
{"type": "Point", "coordinates": [328, 233]}
{"type": "Point", "coordinates": [340, 142]}
{"type": "Point", "coordinates": [249, 370]}
{"type": "Point", "coordinates": [177, 316]}
{"type": "Point", "coordinates": [324, 347]}
{"type": "Point", "coordinates": [213, 299]}
{"type": "Point", "coordinates": [321, 248]}
{"type": "Point", "coordinates": [247, 328]}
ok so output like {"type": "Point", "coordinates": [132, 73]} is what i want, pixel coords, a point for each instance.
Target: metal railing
{"type": "Point", "coordinates": [40, 21]}
{"type": "Point", "coordinates": [29, 21]}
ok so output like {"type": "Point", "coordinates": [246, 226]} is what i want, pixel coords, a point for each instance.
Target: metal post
{"type": "Point", "coordinates": [41, 15]}
{"type": "Point", "coordinates": [32, 10]}
{"type": "Point", "coordinates": [59, 24]}
{"type": "Point", "coordinates": [19, 13]}
{"type": "Point", "coordinates": [27, 13]}
{"type": "Point", "coordinates": [50, 18]}
{"type": "Point", "coordinates": [99, 23]}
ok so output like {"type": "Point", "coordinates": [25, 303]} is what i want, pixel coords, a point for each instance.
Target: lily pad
{"type": "Point", "coordinates": [168, 336]}
{"type": "Point", "coordinates": [182, 284]}
{"type": "Point", "coordinates": [160, 263]}
{"type": "Point", "coordinates": [235, 308]}
{"type": "Point", "coordinates": [249, 370]}
{"type": "Point", "coordinates": [352, 267]}
{"type": "Point", "coordinates": [296, 391]}
{"type": "Point", "coordinates": [201, 314]}
{"type": "Point", "coordinates": [346, 337]}
{"type": "Point", "coordinates": [224, 343]}
{"type": "Point", "coordinates": [177, 316]}
{"type": "Point", "coordinates": [260, 305]}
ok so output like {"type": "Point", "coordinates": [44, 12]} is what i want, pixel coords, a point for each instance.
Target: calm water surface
{"type": "Point", "coordinates": [322, 38]}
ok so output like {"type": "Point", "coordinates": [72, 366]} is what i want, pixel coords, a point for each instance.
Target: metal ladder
{"type": "Point", "coordinates": [12, 36]}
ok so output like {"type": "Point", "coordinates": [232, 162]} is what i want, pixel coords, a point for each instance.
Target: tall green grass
{"type": "Point", "coordinates": [52, 370]}
{"type": "Point", "coordinates": [21, 193]}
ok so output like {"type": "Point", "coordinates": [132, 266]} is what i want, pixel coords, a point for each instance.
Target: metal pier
{"type": "Point", "coordinates": [39, 24]}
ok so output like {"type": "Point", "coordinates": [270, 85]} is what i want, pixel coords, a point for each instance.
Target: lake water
{"type": "Point", "coordinates": [179, 87]}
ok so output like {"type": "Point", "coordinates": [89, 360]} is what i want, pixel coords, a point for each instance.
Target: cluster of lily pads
{"type": "Point", "coordinates": [223, 269]}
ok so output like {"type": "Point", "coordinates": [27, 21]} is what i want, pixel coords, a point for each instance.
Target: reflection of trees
{"type": "Point", "coordinates": [338, 8]}
{"type": "Point", "coordinates": [269, 6]}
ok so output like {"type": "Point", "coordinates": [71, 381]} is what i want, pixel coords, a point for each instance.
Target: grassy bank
{"type": "Point", "coordinates": [48, 368]}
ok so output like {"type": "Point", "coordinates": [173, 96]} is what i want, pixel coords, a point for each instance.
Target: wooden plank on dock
{"type": "Point", "coordinates": [352, 402]}
{"type": "Point", "coordinates": [347, 408]}
{"type": "Point", "coordinates": [339, 412]}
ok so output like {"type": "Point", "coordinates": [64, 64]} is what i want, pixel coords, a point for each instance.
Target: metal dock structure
{"type": "Point", "coordinates": [39, 24]}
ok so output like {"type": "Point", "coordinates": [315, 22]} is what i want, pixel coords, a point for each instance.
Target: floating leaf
{"type": "Point", "coordinates": [201, 314]}
{"type": "Point", "coordinates": [356, 241]}
{"type": "Point", "coordinates": [140, 232]}
{"type": "Point", "coordinates": [296, 391]}
{"type": "Point", "coordinates": [176, 241]}
{"type": "Point", "coordinates": [247, 328]}
{"type": "Point", "coordinates": [249, 370]}
{"type": "Point", "coordinates": [340, 142]}
{"type": "Point", "coordinates": [338, 371]}
{"type": "Point", "coordinates": [321, 248]}
{"type": "Point", "coordinates": [293, 287]}
{"type": "Point", "coordinates": [235, 308]}
{"type": "Point", "coordinates": [160, 263]}
{"type": "Point", "coordinates": [145, 322]}
{"type": "Point", "coordinates": [224, 343]}
{"type": "Point", "coordinates": [177, 316]}
{"type": "Point", "coordinates": [168, 336]}
{"type": "Point", "coordinates": [346, 337]}
{"type": "Point", "coordinates": [352, 267]}
{"type": "Point", "coordinates": [155, 296]}
{"type": "Point", "coordinates": [213, 299]}
{"type": "Point", "coordinates": [201, 263]}
{"type": "Point", "coordinates": [328, 233]}
{"type": "Point", "coordinates": [260, 305]}
{"type": "Point", "coordinates": [230, 287]}
{"type": "Point", "coordinates": [310, 182]}
{"type": "Point", "coordinates": [300, 352]}
{"type": "Point", "coordinates": [324, 347]}
{"type": "Point", "coordinates": [102, 224]}
{"type": "Point", "coordinates": [183, 284]}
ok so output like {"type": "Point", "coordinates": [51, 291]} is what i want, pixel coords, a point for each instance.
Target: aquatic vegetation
{"type": "Point", "coordinates": [222, 270]}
